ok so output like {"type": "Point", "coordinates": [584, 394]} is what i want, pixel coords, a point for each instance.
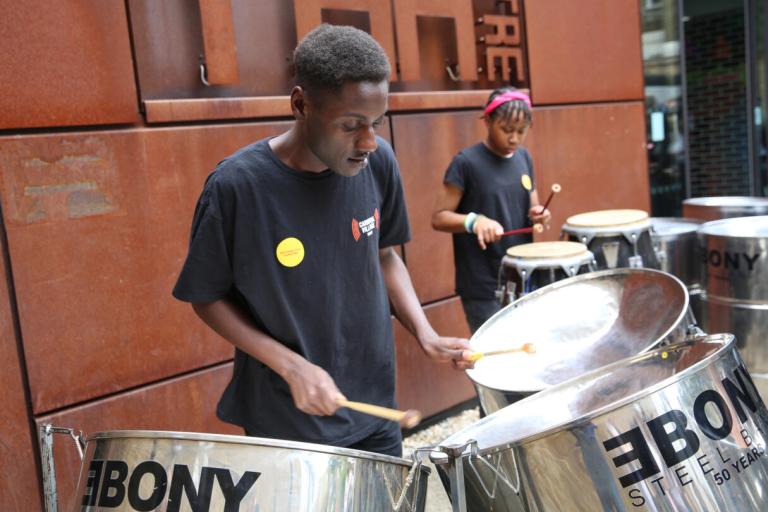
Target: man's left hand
{"type": "Point", "coordinates": [445, 349]}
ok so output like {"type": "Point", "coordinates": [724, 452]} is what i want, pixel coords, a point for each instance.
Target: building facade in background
{"type": "Point", "coordinates": [705, 83]}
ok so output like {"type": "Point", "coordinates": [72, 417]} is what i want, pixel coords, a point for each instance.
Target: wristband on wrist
{"type": "Point", "coordinates": [469, 221]}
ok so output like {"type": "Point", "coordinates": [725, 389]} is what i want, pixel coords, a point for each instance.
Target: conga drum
{"type": "Point", "coordinates": [576, 325]}
{"type": "Point", "coordinates": [617, 238]}
{"type": "Point", "coordinates": [149, 470]}
{"type": "Point", "coordinates": [679, 428]}
{"type": "Point", "coordinates": [528, 267]}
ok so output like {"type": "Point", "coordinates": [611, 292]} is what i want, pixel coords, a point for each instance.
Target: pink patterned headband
{"type": "Point", "coordinates": [504, 98]}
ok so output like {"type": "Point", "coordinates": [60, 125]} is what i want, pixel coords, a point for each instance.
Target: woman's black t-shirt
{"type": "Point", "coordinates": [498, 188]}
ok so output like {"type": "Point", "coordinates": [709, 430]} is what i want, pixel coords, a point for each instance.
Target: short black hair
{"type": "Point", "coordinates": [332, 55]}
{"type": "Point", "coordinates": [511, 109]}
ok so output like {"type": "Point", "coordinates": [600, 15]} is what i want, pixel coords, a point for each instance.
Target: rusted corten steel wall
{"type": "Point", "coordinates": [107, 133]}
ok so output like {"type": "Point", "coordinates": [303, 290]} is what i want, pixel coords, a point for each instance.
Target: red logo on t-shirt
{"type": "Point", "coordinates": [365, 227]}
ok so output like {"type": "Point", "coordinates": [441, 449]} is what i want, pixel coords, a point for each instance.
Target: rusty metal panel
{"type": "Point", "coordinates": [596, 153]}
{"type": "Point", "coordinates": [423, 384]}
{"type": "Point", "coordinates": [425, 145]}
{"type": "Point", "coordinates": [309, 14]}
{"type": "Point", "coordinates": [19, 487]}
{"type": "Point", "coordinates": [219, 41]}
{"type": "Point", "coordinates": [168, 44]}
{"type": "Point", "coordinates": [406, 14]}
{"type": "Point", "coordinates": [186, 404]}
{"type": "Point", "coordinates": [64, 63]}
{"type": "Point", "coordinates": [98, 226]}
{"type": "Point", "coordinates": [584, 51]}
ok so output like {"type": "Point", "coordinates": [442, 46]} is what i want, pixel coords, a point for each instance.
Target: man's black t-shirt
{"type": "Point", "coordinates": [299, 252]}
{"type": "Point", "coordinates": [498, 188]}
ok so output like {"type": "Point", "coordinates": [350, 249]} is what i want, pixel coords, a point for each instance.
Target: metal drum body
{"type": "Point", "coordinates": [577, 324]}
{"type": "Point", "coordinates": [145, 470]}
{"type": "Point", "coordinates": [680, 428]}
{"type": "Point", "coordinates": [735, 284]}
{"type": "Point", "coordinates": [675, 242]}
{"type": "Point", "coordinates": [724, 207]}
{"type": "Point", "coordinates": [617, 243]}
{"type": "Point", "coordinates": [528, 267]}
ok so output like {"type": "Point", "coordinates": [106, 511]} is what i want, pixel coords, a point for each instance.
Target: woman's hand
{"type": "Point", "coordinates": [487, 231]}
{"type": "Point", "coordinates": [539, 217]}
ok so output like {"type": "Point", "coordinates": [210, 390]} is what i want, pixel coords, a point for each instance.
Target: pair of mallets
{"type": "Point", "coordinates": [538, 228]}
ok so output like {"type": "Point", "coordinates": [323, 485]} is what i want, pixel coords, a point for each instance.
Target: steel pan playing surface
{"type": "Point", "coordinates": [577, 324]}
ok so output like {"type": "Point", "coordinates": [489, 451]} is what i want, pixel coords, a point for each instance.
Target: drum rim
{"type": "Point", "coordinates": [728, 347]}
{"type": "Point", "coordinates": [566, 282]}
{"type": "Point", "coordinates": [644, 220]}
{"type": "Point", "coordinates": [247, 440]}
{"type": "Point", "coordinates": [727, 201]}
{"type": "Point", "coordinates": [695, 224]}
{"type": "Point", "coordinates": [705, 230]}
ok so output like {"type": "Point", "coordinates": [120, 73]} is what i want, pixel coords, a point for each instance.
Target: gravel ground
{"type": "Point", "coordinates": [437, 498]}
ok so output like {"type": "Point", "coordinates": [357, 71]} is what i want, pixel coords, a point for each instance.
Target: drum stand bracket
{"type": "Point", "coordinates": [46, 455]}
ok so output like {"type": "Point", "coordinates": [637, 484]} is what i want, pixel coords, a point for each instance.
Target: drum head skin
{"type": "Point", "coordinates": [548, 250]}
{"type": "Point", "coordinates": [577, 325]}
{"type": "Point", "coordinates": [606, 218]}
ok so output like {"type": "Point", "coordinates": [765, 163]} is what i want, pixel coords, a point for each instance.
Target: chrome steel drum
{"type": "Point", "coordinates": [528, 267]}
{"type": "Point", "coordinates": [724, 207]}
{"type": "Point", "coordinates": [674, 240]}
{"type": "Point", "coordinates": [577, 324]}
{"type": "Point", "coordinates": [617, 238]}
{"type": "Point", "coordinates": [735, 284]}
{"type": "Point", "coordinates": [680, 428]}
{"type": "Point", "coordinates": [144, 470]}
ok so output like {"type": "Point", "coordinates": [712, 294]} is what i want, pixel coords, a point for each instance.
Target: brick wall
{"type": "Point", "coordinates": [717, 104]}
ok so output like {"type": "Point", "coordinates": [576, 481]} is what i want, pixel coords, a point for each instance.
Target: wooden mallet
{"type": "Point", "coordinates": [407, 419]}
{"type": "Point", "coordinates": [528, 348]}
{"type": "Point", "coordinates": [536, 228]}
{"type": "Point", "coordinates": [554, 190]}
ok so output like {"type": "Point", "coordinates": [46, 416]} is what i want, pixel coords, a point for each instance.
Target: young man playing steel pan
{"type": "Point", "coordinates": [291, 258]}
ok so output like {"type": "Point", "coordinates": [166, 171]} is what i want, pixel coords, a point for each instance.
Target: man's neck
{"type": "Point", "coordinates": [291, 149]}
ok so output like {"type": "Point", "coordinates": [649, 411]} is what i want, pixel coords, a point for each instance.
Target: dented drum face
{"type": "Point", "coordinates": [677, 428]}
{"type": "Point", "coordinates": [143, 470]}
{"type": "Point", "coordinates": [577, 325]}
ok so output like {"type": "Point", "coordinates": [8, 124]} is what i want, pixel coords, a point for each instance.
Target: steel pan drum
{"type": "Point", "coordinates": [680, 428]}
{"type": "Point", "coordinates": [577, 324]}
{"type": "Point", "coordinates": [617, 238]}
{"type": "Point", "coordinates": [144, 470]}
{"type": "Point", "coordinates": [528, 267]}
{"type": "Point", "coordinates": [724, 207]}
{"type": "Point", "coordinates": [735, 284]}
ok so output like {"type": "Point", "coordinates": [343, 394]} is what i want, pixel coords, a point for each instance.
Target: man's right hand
{"type": "Point", "coordinates": [313, 389]}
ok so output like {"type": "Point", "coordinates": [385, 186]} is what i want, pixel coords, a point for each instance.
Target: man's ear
{"type": "Point", "coordinates": [298, 103]}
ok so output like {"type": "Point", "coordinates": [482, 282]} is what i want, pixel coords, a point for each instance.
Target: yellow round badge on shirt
{"type": "Point", "coordinates": [290, 252]}
{"type": "Point", "coordinates": [526, 180]}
